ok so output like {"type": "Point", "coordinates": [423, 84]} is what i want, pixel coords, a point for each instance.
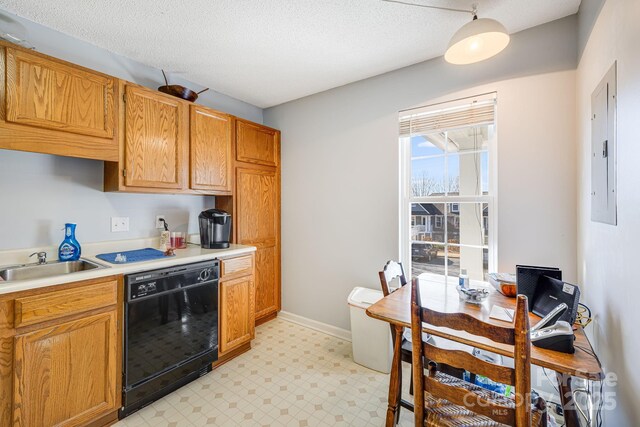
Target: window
{"type": "Point", "coordinates": [448, 174]}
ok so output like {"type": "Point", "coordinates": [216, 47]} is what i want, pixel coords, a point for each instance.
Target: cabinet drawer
{"type": "Point", "coordinates": [236, 267]}
{"type": "Point", "coordinates": [40, 308]}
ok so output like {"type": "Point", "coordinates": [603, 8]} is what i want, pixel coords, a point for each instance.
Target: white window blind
{"type": "Point", "coordinates": [469, 112]}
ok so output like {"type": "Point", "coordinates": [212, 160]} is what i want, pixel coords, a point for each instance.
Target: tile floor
{"type": "Point", "coordinates": [293, 376]}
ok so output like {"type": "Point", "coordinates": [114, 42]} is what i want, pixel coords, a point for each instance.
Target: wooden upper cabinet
{"type": "Point", "coordinates": [66, 375]}
{"type": "Point", "coordinates": [156, 139]}
{"type": "Point", "coordinates": [257, 144]}
{"type": "Point", "coordinates": [55, 95]}
{"type": "Point", "coordinates": [210, 150]}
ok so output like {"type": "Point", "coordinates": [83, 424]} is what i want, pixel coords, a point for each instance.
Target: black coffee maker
{"type": "Point", "coordinates": [215, 229]}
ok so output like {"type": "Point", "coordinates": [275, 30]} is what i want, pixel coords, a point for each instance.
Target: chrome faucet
{"type": "Point", "coordinates": [42, 257]}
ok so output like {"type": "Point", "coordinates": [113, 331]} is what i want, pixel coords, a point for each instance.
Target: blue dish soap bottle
{"type": "Point", "coordinates": [69, 249]}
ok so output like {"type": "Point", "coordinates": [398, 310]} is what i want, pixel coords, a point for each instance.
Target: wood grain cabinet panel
{"type": "Point", "coordinates": [6, 383]}
{"type": "Point", "coordinates": [66, 375]}
{"type": "Point", "coordinates": [258, 216]}
{"type": "Point", "coordinates": [40, 308]}
{"type": "Point", "coordinates": [257, 210]}
{"type": "Point", "coordinates": [210, 150]}
{"type": "Point", "coordinates": [235, 267]}
{"type": "Point", "coordinates": [55, 95]}
{"type": "Point", "coordinates": [257, 193]}
{"type": "Point", "coordinates": [237, 313]}
{"type": "Point", "coordinates": [156, 139]}
{"type": "Point", "coordinates": [267, 281]}
{"type": "Point", "coordinates": [256, 144]}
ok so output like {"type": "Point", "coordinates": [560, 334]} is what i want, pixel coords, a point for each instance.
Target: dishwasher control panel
{"type": "Point", "coordinates": [167, 280]}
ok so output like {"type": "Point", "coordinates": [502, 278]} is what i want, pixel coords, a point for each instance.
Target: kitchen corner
{"type": "Point", "coordinates": [123, 154]}
{"type": "Point", "coordinates": [192, 311]}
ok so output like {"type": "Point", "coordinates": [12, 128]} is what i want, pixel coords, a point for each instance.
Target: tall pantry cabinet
{"type": "Point", "coordinates": [256, 209]}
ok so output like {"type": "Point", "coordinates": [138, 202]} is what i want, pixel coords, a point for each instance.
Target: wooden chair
{"type": "Point", "coordinates": [393, 270]}
{"type": "Point", "coordinates": [443, 400]}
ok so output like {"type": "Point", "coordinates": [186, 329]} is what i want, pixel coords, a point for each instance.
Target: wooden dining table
{"type": "Point", "coordinates": [443, 297]}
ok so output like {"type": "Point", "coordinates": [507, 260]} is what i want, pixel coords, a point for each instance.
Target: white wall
{"type": "Point", "coordinates": [587, 14]}
{"type": "Point", "coordinates": [608, 255]}
{"type": "Point", "coordinates": [340, 168]}
{"type": "Point", "coordinates": [41, 192]}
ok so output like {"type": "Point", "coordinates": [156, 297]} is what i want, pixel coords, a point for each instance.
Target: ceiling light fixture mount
{"type": "Point", "coordinates": [480, 39]}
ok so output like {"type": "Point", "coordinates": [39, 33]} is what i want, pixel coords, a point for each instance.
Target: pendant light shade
{"type": "Point", "coordinates": [476, 41]}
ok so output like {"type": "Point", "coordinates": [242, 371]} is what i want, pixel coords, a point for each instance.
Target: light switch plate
{"type": "Point", "coordinates": [119, 224]}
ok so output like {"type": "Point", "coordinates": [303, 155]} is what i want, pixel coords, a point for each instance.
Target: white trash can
{"type": "Point", "coordinates": [371, 338]}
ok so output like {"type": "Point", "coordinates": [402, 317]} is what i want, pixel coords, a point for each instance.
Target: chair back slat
{"type": "Point", "coordinates": [392, 270]}
{"type": "Point", "coordinates": [475, 402]}
{"type": "Point", "coordinates": [467, 323]}
{"type": "Point", "coordinates": [460, 359]}
{"type": "Point", "coordinates": [519, 376]}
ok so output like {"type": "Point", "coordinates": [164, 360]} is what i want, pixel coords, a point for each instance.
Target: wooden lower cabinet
{"type": "Point", "coordinates": [65, 375]}
{"type": "Point", "coordinates": [63, 366]}
{"type": "Point", "coordinates": [267, 274]}
{"type": "Point", "coordinates": [237, 314]}
{"type": "Point", "coordinates": [237, 303]}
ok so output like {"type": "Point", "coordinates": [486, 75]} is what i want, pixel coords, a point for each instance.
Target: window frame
{"type": "Point", "coordinates": [406, 198]}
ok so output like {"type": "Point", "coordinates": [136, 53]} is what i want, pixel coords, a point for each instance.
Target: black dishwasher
{"type": "Point", "coordinates": [171, 330]}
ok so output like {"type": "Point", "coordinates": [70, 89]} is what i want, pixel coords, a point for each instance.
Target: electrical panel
{"type": "Point", "coordinates": [603, 150]}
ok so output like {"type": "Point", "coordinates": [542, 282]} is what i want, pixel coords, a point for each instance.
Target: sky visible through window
{"type": "Point", "coordinates": [434, 167]}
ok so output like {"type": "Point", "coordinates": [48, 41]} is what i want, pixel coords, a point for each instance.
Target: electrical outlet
{"type": "Point", "coordinates": [160, 222]}
{"type": "Point", "coordinates": [119, 223]}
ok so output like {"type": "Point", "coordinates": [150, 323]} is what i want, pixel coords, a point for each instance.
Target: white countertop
{"type": "Point", "coordinates": [193, 253]}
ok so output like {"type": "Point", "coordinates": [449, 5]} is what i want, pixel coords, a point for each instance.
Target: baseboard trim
{"type": "Point", "coordinates": [334, 331]}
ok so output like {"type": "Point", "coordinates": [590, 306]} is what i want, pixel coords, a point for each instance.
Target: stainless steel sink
{"type": "Point", "coordinates": [50, 269]}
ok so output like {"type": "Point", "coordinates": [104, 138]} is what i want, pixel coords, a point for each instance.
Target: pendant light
{"type": "Point", "coordinates": [475, 41]}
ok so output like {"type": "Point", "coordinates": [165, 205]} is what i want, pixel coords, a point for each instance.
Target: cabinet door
{"type": "Point", "coordinates": [156, 139]}
{"type": "Point", "coordinates": [210, 150]}
{"type": "Point", "coordinates": [258, 217]}
{"type": "Point", "coordinates": [237, 313]}
{"type": "Point", "coordinates": [66, 374]}
{"type": "Point", "coordinates": [267, 280]}
{"type": "Point", "coordinates": [256, 144]}
{"type": "Point", "coordinates": [257, 191]}
{"type": "Point", "coordinates": [55, 95]}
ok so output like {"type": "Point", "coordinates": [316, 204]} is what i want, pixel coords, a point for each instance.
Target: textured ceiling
{"type": "Point", "coordinates": [267, 52]}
